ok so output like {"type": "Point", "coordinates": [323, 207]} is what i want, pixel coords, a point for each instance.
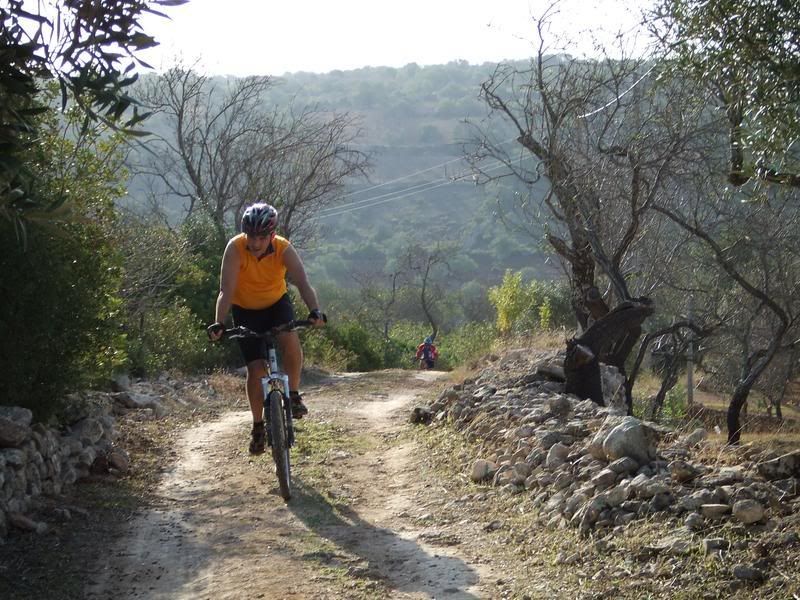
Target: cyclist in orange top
{"type": "Point", "coordinates": [255, 266]}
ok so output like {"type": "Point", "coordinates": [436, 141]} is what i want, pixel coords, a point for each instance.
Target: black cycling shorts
{"type": "Point", "coordinates": [261, 320]}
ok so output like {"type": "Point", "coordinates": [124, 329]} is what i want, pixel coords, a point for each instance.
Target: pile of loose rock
{"type": "Point", "coordinates": [594, 468]}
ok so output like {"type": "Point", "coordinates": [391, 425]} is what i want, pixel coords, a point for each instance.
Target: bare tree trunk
{"type": "Point", "coordinates": [668, 382]}
{"type": "Point", "coordinates": [738, 400]}
{"type": "Point", "coordinates": [672, 329]}
{"type": "Point", "coordinates": [601, 343]}
{"type": "Point", "coordinates": [428, 266]}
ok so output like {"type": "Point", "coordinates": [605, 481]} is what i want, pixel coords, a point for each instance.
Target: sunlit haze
{"type": "Point", "coordinates": [246, 37]}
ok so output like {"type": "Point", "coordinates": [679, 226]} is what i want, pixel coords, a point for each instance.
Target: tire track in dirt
{"type": "Point", "coordinates": [218, 527]}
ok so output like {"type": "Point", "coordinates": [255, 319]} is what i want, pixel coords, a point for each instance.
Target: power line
{"type": "Point", "coordinates": [618, 98]}
{"type": "Point", "coordinates": [402, 193]}
{"type": "Point", "coordinates": [356, 202]}
{"type": "Point", "coordinates": [408, 192]}
{"type": "Point", "coordinates": [432, 186]}
{"type": "Point", "coordinates": [335, 209]}
{"type": "Point", "coordinates": [379, 185]}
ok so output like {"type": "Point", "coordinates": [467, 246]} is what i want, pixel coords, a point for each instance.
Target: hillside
{"type": "Point", "coordinates": [412, 123]}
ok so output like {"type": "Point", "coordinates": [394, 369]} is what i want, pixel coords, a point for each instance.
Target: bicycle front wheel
{"type": "Point", "coordinates": [280, 443]}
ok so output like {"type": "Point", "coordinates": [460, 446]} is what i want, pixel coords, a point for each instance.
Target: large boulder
{"type": "Point", "coordinates": [624, 436]}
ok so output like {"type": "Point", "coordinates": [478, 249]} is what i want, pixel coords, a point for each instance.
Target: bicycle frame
{"type": "Point", "coordinates": [280, 433]}
{"type": "Point", "coordinates": [275, 379]}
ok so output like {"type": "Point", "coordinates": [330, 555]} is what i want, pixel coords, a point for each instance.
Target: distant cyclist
{"type": "Point", "coordinates": [253, 275]}
{"type": "Point", "coordinates": [427, 353]}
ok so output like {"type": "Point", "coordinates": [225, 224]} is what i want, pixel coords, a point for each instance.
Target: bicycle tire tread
{"type": "Point", "coordinates": [280, 444]}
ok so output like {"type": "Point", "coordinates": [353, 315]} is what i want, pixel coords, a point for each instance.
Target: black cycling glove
{"type": "Point", "coordinates": [215, 328]}
{"type": "Point", "coordinates": [316, 314]}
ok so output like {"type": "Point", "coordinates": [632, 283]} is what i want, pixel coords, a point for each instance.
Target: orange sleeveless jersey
{"type": "Point", "coordinates": [261, 283]}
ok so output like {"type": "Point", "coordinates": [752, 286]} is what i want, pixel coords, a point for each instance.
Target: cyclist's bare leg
{"type": "Point", "coordinates": [255, 393]}
{"type": "Point", "coordinates": [291, 357]}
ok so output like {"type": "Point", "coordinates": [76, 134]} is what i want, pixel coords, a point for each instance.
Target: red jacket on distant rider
{"type": "Point", "coordinates": [427, 353]}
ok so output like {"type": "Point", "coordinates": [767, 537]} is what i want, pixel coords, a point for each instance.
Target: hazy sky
{"type": "Point", "coordinates": [268, 37]}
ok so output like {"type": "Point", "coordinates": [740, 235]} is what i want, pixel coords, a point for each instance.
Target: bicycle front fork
{"type": "Point", "coordinates": [279, 383]}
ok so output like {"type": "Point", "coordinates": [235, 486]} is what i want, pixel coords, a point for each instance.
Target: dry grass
{"type": "Point", "coordinates": [647, 383]}
{"type": "Point", "coordinates": [756, 404]}
{"type": "Point", "coordinates": [554, 340]}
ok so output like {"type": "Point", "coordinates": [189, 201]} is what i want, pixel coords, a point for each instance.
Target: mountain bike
{"type": "Point", "coordinates": [277, 403]}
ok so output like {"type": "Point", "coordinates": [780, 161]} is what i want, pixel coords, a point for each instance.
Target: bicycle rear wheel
{"type": "Point", "coordinates": [280, 443]}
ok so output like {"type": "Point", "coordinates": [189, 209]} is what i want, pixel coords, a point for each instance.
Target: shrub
{"type": "Point", "coordinates": [510, 300]}
{"type": "Point", "coordinates": [465, 343]}
{"type": "Point", "coordinates": [527, 307]}
{"type": "Point", "coordinates": [320, 350]}
{"type": "Point", "coordinates": [198, 282]}
{"type": "Point", "coordinates": [407, 335]}
{"type": "Point", "coordinates": [58, 316]}
{"type": "Point", "coordinates": [363, 352]}
{"type": "Point", "coordinates": [174, 338]}
{"type": "Point", "coordinates": [674, 409]}
{"type": "Point", "coordinates": [59, 304]}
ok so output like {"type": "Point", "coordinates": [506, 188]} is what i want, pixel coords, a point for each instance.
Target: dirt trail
{"type": "Point", "coordinates": [219, 529]}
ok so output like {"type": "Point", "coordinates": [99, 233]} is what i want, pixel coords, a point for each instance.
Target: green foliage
{"type": "Point", "coordinates": [363, 351]}
{"type": "Point", "coordinates": [198, 282]}
{"type": "Point", "coordinates": [60, 310]}
{"type": "Point", "coordinates": [348, 344]}
{"type": "Point", "coordinates": [173, 338]}
{"type": "Point", "coordinates": [57, 315]}
{"type": "Point", "coordinates": [170, 285]}
{"type": "Point", "coordinates": [546, 314]}
{"type": "Point", "coordinates": [674, 409]}
{"type": "Point", "coordinates": [509, 300]}
{"type": "Point", "coordinates": [90, 53]}
{"type": "Point", "coordinates": [408, 335]}
{"type": "Point", "coordinates": [474, 303]}
{"type": "Point", "coordinates": [748, 52]}
{"type": "Point", "coordinates": [320, 350]}
{"type": "Point", "coordinates": [527, 307]}
{"type": "Point", "coordinates": [465, 343]}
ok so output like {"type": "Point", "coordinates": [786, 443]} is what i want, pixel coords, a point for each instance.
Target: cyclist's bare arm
{"type": "Point", "coordinates": [229, 273]}
{"type": "Point", "coordinates": [297, 274]}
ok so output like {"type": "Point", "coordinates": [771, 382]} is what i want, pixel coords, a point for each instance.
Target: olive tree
{"type": "Point", "coordinates": [89, 49]}
{"type": "Point", "coordinates": [749, 247]}
{"type": "Point", "coordinates": [595, 142]}
{"type": "Point", "coordinates": [747, 54]}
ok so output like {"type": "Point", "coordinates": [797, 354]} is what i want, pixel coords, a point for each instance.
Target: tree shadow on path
{"type": "Point", "coordinates": [399, 561]}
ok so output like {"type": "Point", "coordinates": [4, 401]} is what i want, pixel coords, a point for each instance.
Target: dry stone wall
{"type": "Point", "coordinates": [37, 460]}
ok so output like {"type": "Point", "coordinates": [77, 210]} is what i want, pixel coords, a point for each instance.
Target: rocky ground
{"type": "Point", "coordinates": [511, 490]}
{"type": "Point", "coordinates": [631, 509]}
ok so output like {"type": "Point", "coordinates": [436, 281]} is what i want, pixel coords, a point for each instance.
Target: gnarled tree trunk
{"type": "Point", "coordinates": [608, 340]}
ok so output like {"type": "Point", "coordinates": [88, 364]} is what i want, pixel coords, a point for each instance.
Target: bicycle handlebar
{"type": "Point", "coordinates": [244, 332]}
